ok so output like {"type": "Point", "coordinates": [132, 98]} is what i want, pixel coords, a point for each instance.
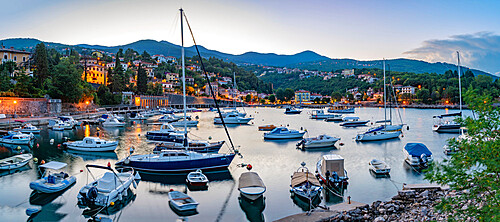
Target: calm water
{"type": "Point", "coordinates": [275, 161]}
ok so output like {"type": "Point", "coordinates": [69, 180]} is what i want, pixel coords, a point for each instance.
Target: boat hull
{"type": "Point", "coordinates": [354, 124]}
{"type": "Point", "coordinates": [106, 148]}
{"type": "Point", "coordinates": [17, 164]}
{"type": "Point", "coordinates": [280, 137]}
{"type": "Point", "coordinates": [207, 164]}
{"type": "Point", "coordinates": [41, 186]}
{"type": "Point", "coordinates": [233, 121]}
{"type": "Point", "coordinates": [447, 128]}
{"type": "Point", "coordinates": [380, 136]}
{"type": "Point", "coordinates": [350, 110]}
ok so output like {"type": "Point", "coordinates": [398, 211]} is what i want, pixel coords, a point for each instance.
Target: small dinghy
{"type": "Point", "coordinates": [379, 167]}
{"type": "Point", "coordinates": [90, 144]}
{"type": "Point", "coordinates": [52, 182]}
{"type": "Point", "coordinates": [267, 127]}
{"type": "Point", "coordinates": [109, 188]}
{"type": "Point", "coordinates": [304, 184]}
{"type": "Point", "coordinates": [197, 178]}
{"type": "Point", "coordinates": [181, 201]}
{"type": "Point", "coordinates": [251, 185]}
{"type": "Point", "coordinates": [15, 162]}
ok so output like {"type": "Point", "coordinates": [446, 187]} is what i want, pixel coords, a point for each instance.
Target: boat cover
{"type": "Point", "coordinates": [417, 149]}
{"type": "Point", "coordinates": [250, 179]}
{"type": "Point", "coordinates": [302, 177]}
{"type": "Point", "coordinates": [53, 165]}
{"type": "Point", "coordinates": [447, 115]}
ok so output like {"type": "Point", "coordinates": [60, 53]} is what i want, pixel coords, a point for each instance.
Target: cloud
{"type": "Point", "coordinates": [479, 50]}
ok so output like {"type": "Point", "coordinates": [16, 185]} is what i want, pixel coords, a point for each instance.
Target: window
{"type": "Point", "coordinates": [15, 58]}
{"type": "Point", "coordinates": [5, 57]}
{"type": "Point", "coordinates": [24, 59]}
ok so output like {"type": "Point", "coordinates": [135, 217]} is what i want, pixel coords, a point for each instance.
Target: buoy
{"type": "Point", "coordinates": [18, 148]}
{"type": "Point", "coordinates": [81, 171]}
{"type": "Point", "coordinates": [131, 150]}
{"type": "Point", "coordinates": [58, 145]}
{"type": "Point", "coordinates": [37, 145]}
{"type": "Point", "coordinates": [112, 203]}
{"type": "Point", "coordinates": [139, 134]}
{"type": "Point", "coordinates": [42, 162]}
{"type": "Point", "coordinates": [341, 144]}
{"type": "Point", "coordinates": [51, 141]}
{"type": "Point", "coordinates": [98, 128]}
{"type": "Point", "coordinates": [109, 164]}
{"type": "Point", "coordinates": [35, 160]}
{"type": "Point", "coordinates": [209, 138]}
{"type": "Point", "coordinates": [171, 190]}
{"type": "Point", "coordinates": [249, 166]}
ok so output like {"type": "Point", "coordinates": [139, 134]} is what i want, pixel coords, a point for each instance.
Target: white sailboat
{"type": "Point", "coordinates": [384, 132]}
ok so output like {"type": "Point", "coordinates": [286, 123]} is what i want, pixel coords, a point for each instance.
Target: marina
{"type": "Point", "coordinates": [274, 160]}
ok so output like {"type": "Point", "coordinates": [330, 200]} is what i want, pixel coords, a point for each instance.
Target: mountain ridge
{"type": "Point", "coordinates": [306, 59]}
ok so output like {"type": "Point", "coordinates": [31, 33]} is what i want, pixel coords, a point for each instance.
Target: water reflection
{"type": "Point", "coordinates": [93, 155]}
{"type": "Point", "coordinates": [253, 209]}
{"type": "Point", "coordinates": [111, 210]}
{"type": "Point", "coordinates": [9, 172]}
{"type": "Point", "coordinates": [41, 199]}
{"type": "Point", "coordinates": [49, 212]}
{"type": "Point", "coordinates": [305, 205]}
{"type": "Point", "coordinates": [175, 179]}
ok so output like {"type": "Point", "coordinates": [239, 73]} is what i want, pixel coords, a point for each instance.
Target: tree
{"type": "Point", "coordinates": [248, 98]}
{"type": "Point", "coordinates": [289, 94]}
{"type": "Point", "coordinates": [41, 63]}
{"type": "Point", "coordinates": [475, 168]}
{"type": "Point", "coordinates": [119, 54]}
{"type": "Point", "coordinates": [142, 80]}
{"type": "Point", "coordinates": [280, 94]}
{"type": "Point", "coordinates": [272, 98]}
{"type": "Point", "coordinates": [66, 82]}
{"type": "Point", "coordinates": [336, 96]}
{"type": "Point", "coordinates": [424, 95]}
{"type": "Point", "coordinates": [146, 56]}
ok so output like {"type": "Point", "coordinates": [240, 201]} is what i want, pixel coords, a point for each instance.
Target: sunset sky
{"type": "Point", "coordinates": [365, 30]}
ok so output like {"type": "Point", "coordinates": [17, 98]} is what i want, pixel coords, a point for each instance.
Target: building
{"type": "Point", "coordinates": [17, 56]}
{"type": "Point", "coordinates": [112, 65]}
{"type": "Point", "coordinates": [215, 88]}
{"type": "Point", "coordinates": [302, 96]}
{"type": "Point", "coordinates": [172, 77]}
{"type": "Point", "coordinates": [348, 72]}
{"type": "Point", "coordinates": [96, 73]}
{"type": "Point", "coordinates": [315, 95]}
{"type": "Point", "coordinates": [408, 89]}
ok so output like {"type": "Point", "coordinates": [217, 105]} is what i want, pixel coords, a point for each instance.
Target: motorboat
{"type": "Point", "coordinates": [292, 110]}
{"type": "Point", "coordinates": [449, 150]}
{"type": "Point", "coordinates": [193, 110]}
{"type": "Point", "coordinates": [446, 124]}
{"type": "Point", "coordinates": [267, 127]}
{"type": "Point", "coordinates": [199, 146]}
{"type": "Point", "coordinates": [52, 182]}
{"type": "Point", "coordinates": [197, 178]}
{"type": "Point", "coordinates": [166, 111]}
{"type": "Point", "coordinates": [341, 109]}
{"type": "Point", "coordinates": [147, 113]}
{"type": "Point", "coordinates": [187, 122]}
{"type": "Point", "coordinates": [137, 116]}
{"type": "Point", "coordinates": [353, 121]}
{"type": "Point", "coordinates": [164, 132]}
{"type": "Point", "coordinates": [284, 133]}
{"type": "Point", "coordinates": [334, 118]}
{"type": "Point", "coordinates": [109, 188]}
{"type": "Point", "coordinates": [320, 114]}
{"type": "Point", "coordinates": [92, 144]}
{"type": "Point", "coordinates": [168, 118]}
{"type": "Point", "coordinates": [182, 201]}
{"type": "Point", "coordinates": [330, 170]}
{"type": "Point", "coordinates": [378, 133]}
{"type": "Point", "coordinates": [417, 154]}
{"type": "Point", "coordinates": [28, 128]}
{"type": "Point", "coordinates": [379, 167]}
{"type": "Point", "coordinates": [113, 122]}
{"type": "Point", "coordinates": [18, 138]}
{"type": "Point", "coordinates": [70, 120]}
{"type": "Point", "coordinates": [304, 184]}
{"type": "Point", "coordinates": [233, 118]}
{"type": "Point", "coordinates": [318, 142]}
{"type": "Point", "coordinates": [177, 161]}
{"type": "Point", "coordinates": [15, 162]}
{"type": "Point", "coordinates": [59, 125]}
{"type": "Point", "coordinates": [119, 118]}
{"type": "Point", "coordinates": [251, 185]}
{"type": "Point", "coordinates": [167, 138]}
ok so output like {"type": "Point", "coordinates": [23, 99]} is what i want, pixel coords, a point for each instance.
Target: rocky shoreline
{"type": "Point", "coordinates": [407, 205]}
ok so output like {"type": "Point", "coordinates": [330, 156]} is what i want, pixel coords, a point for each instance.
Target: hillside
{"type": "Point", "coordinates": [303, 60]}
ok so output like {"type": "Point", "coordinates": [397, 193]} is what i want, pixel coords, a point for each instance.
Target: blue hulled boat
{"type": "Point", "coordinates": [168, 161]}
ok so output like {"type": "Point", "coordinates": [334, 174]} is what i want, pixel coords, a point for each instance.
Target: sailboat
{"type": "Point", "coordinates": [385, 131]}
{"type": "Point", "coordinates": [444, 123]}
{"type": "Point", "coordinates": [170, 161]}
{"type": "Point", "coordinates": [233, 116]}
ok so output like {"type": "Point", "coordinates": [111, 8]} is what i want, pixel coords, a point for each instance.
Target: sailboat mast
{"type": "Point", "coordinates": [234, 90]}
{"type": "Point", "coordinates": [459, 84]}
{"type": "Point", "coordinates": [183, 77]}
{"type": "Point", "coordinates": [385, 99]}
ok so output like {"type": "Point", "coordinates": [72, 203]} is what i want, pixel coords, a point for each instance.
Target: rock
{"type": "Point", "coordinates": [382, 210]}
{"type": "Point", "coordinates": [379, 219]}
{"type": "Point", "coordinates": [424, 194]}
{"type": "Point", "coordinates": [366, 217]}
{"type": "Point", "coordinates": [424, 211]}
{"type": "Point", "coordinates": [427, 202]}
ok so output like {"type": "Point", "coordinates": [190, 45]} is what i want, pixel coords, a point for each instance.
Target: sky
{"type": "Point", "coordinates": [359, 29]}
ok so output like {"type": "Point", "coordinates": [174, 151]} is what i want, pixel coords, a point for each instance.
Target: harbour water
{"type": "Point", "coordinates": [275, 161]}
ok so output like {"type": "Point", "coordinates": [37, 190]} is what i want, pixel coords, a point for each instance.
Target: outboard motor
{"type": "Point", "coordinates": [90, 196]}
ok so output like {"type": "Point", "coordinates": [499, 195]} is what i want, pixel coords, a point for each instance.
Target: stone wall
{"type": "Point", "coordinates": [26, 107]}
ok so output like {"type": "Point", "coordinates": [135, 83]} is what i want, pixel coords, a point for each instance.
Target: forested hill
{"type": "Point", "coordinates": [400, 65]}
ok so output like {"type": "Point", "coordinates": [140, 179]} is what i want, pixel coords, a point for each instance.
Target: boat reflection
{"type": "Point", "coordinates": [7, 150]}
{"type": "Point", "coordinates": [319, 150]}
{"type": "Point", "coordinates": [253, 209]}
{"type": "Point", "coordinates": [305, 205]}
{"type": "Point", "coordinates": [86, 156]}
{"type": "Point", "coordinates": [41, 199]}
{"type": "Point", "coordinates": [333, 197]}
{"type": "Point", "coordinates": [9, 172]}
{"type": "Point", "coordinates": [176, 179]}
{"type": "Point", "coordinates": [112, 209]}
{"type": "Point", "coordinates": [49, 212]}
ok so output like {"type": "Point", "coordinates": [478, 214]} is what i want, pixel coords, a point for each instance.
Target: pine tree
{"type": "Point", "coordinates": [41, 64]}
{"type": "Point", "coordinates": [142, 80]}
